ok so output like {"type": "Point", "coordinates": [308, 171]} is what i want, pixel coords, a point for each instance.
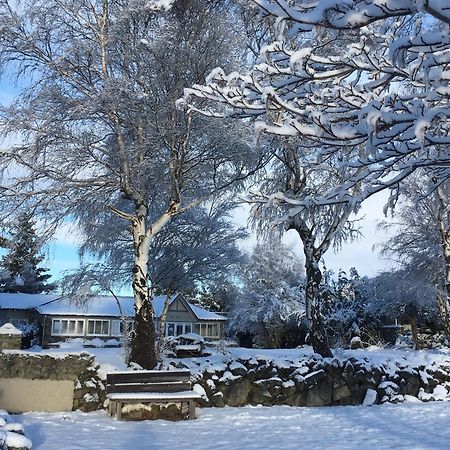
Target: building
{"type": "Point", "coordinates": [103, 317]}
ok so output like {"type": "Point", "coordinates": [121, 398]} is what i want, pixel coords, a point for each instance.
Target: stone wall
{"type": "Point", "coordinates": [318, 382]}
{"type": "Point", "coordinates": [10, 342]}
{"type": "Point", "coordinates": [49, 382]}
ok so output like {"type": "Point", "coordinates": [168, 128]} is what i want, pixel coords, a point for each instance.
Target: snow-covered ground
{"type": "Point", "coordinates": [111, 359]}
{"type": "Point", "coordinates": [406, 426]}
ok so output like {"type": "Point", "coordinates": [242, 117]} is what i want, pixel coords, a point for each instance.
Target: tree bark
{"type": "Point", "coordinates": [318, 334]}
{"type": "Point", "coordinates": [444, 229]}
{"type": "Point", "coordinates": [143, 338]}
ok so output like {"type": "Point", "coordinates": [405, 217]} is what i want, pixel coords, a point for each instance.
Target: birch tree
{"type": "Point", "coordinates": [291, 181]}
{"type": "Point", "coordinates": [421, 242]}
{"type": "Point", "coordinates": [97, 123]}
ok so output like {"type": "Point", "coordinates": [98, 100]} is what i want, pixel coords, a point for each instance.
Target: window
{"type": "Point", "coordinates": [121, 327]}
{"type": "Point", "coordinates": [67, 327]}
{"type": "Point", "coordinates": [177, 328]}
{"type": "Point", "coordinates": [98, 328]}
{"type": "Point", "coordinates": [211, 330]}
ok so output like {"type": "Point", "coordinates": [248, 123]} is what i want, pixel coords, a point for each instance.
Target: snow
{"type": "Point", "coordinates": [409, 425]}
{"type": "Point", "coordinates": [106, 306]}
{"type": "Point", "coordinates": [203, 314]}
{"type": "Point", "coordinates": [10, 329]}
{"type": "Point", "coordinates": [97, 306]}
{"type": "Point", "coordinates": [24, 301]}
{"type": "Point", "coordinates": [370, 398]}
{"type": "Point", "coordinates": [155, 395]}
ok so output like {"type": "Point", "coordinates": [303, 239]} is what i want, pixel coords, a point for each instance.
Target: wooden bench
{"type": "Point", "coordinates": [150, 386]}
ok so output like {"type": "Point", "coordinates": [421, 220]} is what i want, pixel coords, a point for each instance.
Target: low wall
{"type": "Point", "coordinates": [49, 382]}
{"type": "Point", "coordinates": [315, 381]}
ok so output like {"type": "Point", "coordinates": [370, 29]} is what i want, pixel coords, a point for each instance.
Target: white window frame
{"type": "Point", "coordinates": [126, 324]}
{"type": "Point", "coordinates": [118, 323]}
{"type": "Point", "coordinates": [66, 319]}
{"type": "Point", "coordinates": [175, 325]}
{"type": "Point", "coordinates": [97, 334]}
{"type": "Point", "coordinates": [205, 329]}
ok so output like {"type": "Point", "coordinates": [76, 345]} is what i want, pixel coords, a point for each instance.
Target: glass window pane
{"type": "Point", "coordinates": [56, 327]}
{"type": "Point", "coordinates": [71, 328]}
{"type": "Point", "coordinates": [179, 329]}
{"type": "Point", "coordinates": [197, 328]}
{"type": "Point", "coordinates": [80, 327]}
{"type": "Point", "coordinates": [90, 327]}
{"type": "Point", "coordinates": [170, 327]}
{"type": "Point", "coordinates": [187, 328]}
{"type": "Point", "coordinates": [105, 327]}
{"type": "Point", "coordinates": [64, 326]}
{"type": "Point", "coordinates": [116, 327]}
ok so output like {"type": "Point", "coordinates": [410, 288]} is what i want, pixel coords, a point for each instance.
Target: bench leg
{"type": "Point", "coordinates": [112, 408]}
{"type": "Point", "coordinates": [118, 410]}
{"type": "Point", "coordinates": [192, 410]}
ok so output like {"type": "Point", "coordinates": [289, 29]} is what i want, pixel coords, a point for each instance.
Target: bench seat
{"type": "Point", "coordinates": [151, 386]}
{"type": "Point", "coordinates": [142, 396]}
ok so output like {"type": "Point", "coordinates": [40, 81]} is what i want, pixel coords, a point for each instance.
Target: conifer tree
{"type": "Point", "coordinates": [20, 271]}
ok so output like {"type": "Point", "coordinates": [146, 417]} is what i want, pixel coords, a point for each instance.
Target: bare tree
{"type": "Point", "coordinates": [99, 130]}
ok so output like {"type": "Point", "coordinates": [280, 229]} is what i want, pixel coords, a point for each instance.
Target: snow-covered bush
{"type": "Point", "coordinates": [271, 295]}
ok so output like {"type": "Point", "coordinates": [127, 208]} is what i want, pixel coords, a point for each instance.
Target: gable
{"type": "Point", "coordinates": [179, 311]}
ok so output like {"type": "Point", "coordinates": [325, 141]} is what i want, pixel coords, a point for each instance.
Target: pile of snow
{"type": "Point", "coordinates": [12, 434]}
{"type": "Point", "coordinates": [9, 329]}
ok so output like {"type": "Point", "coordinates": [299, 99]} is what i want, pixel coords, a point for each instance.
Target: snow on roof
{"type": "Point", "coordinates": [158, 303]}
{"type": "Point", "coordinates": [25, 301]}
{"type": "Point", "coordinates": [203, 314]}
{"type": "Point", "coordinates": [97, 306]}
{"type": "Point", "coordinates": [107, 306]}
{"type": "Point", "coordinates": [9, 328]}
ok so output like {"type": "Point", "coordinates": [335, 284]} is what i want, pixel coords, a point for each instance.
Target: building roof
{"type": "Point", "coordinates": [107, 306]}
{"type": "Point", "coordinates": [25, 301]}
{"type": "Point", "coordinates": [96, 306]}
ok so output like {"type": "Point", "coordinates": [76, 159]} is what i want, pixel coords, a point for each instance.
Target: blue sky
{"type": "Point", "coordinates": [63, 254]}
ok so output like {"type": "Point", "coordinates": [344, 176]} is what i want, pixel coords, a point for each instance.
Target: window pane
{"type": "Point", "coordinates": [187, 328]}
{"type": "Point", "coordinates": [90, 327]}
{"type": "Point", "coordinates": [179, 329]}
{"type": "Point", "coordinates": [71, 329]}
{"type": "Point", "coordinates": [80, 327]}
{"type": "Point", "coordinates": [64, 326]}
{"type": "Point", "coordinates": [97, 327]}
{"type": "Point", "coordinates": [116, 327]}
{"type": "Point", "coordinates": [105, 327]}
{"type": "Point", "coordinates": [56, 327]}
{"type": "Point", "coordinates": [197, 328]}
{"type": "Point", "coordinates": [170, 329]}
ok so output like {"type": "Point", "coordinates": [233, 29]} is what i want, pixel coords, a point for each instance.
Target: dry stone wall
{"type": "Point", "coordinates": [317, 382]}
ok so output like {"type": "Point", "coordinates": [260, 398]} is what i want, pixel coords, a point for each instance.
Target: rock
{"type": "Point", "coordinates": [218, 400]}
{"type": "Point", "coordinates": [204, 401]}
{"type": "Point", "coordinates": [356, 343]}
{"type": "Point", "coordinates": [370, 398]}
{"type": "Point", "coordinates": [388, 389]}
{"type": "Point", "coordinates": [237, 394]}
{"type": "Point", "coordinates": [341, 393]}
{"type": "Point", "coordinates": [320, 393]}
{"type": "Point", "coordinates": [237, 368]}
